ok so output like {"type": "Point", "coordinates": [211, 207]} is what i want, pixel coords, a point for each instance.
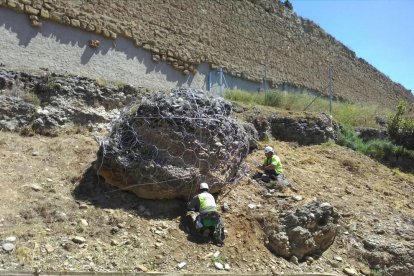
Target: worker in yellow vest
{"type": "Point", "coordinates": [272, 166]}
{"type": "Point", "coordinates": [204, 203]}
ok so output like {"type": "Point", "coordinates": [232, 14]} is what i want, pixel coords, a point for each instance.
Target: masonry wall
{"type": "Point", "coordinates": [252, 40]}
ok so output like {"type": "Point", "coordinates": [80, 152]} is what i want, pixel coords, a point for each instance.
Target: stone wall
{"type": "Point", "coordinates": [65, 50]}
{"type": "Point", "coordinates": [251, 39]}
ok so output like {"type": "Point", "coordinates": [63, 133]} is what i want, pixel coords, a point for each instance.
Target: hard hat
{"type": "Point", "coordinates": [203, 185]}
{"type": "Point", "coordinates": [268, 149]}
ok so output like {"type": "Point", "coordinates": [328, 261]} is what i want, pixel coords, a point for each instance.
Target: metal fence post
{"type": "Point", "coordinates": [220, 70]}
{"type": "Point", "coordinates": [330, 88]}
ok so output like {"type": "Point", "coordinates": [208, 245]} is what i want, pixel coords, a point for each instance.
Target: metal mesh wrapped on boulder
{"type": "Point", "coordinates": [166, 144]}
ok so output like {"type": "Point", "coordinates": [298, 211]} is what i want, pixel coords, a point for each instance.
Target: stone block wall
{"type": "Point", "coordinates": [251, 39]}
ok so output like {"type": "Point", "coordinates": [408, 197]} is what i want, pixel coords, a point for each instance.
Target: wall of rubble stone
{"type": "Point", "coordinates": [250, 38]}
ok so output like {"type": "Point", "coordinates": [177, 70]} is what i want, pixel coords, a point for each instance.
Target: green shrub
{"type": "Point", "coordinates": [381, 150]}
{"type": "Point", "coordinates": [376, 272]}
{"type": "Point", "coordinates": [347, 137]}
{"type": "Point", "coordinates": [401, 127]}
{"type": "Point", "coordinates": [274, 98]}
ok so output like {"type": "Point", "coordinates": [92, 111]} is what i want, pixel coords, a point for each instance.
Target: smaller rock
{"type": "Point", "coordinates": [352, 226]}
{"type": "Point", "coordinates": [83, 206]}
{"type": "Point", "coordinates": [70, 247]}
{"type": "Point", "coordinates": [216, 254]}
{"type": "Point", "coordinates": [208, 255]}
{"type": "Point", "coordinates": [294, 260]}
{"type": "Point", "coordinates": [338, 258]}
{"type": "Point", "coordinates": [309, 260]}
{"type": "Point", "coordinates": [227, 267]}
{"type": "Point", "coordinates": [10, 239]}
{"type": "Point", "coordinates": [142, 268]}
{"type": "Point", "coordinates": [36, 187]}
{"type": "Point", "coordinates": [218, 265]}
{"type": "Point", "coordinates": [225, 207]}
{"type": "Point", "coordinates": [8, 247]}
{"type": "Point", "coordinates": [326, 205]}
{"type": "Point", "coordinates": [350, 271]}
{"type": "Point", "coordinates": [181, 265]}
{"type": "Point", "coordinates": [252, 206]}
{"type": "Point", "coordinates": [49, 180]}
{"type": "Point", "coordinates": [79, 240]}
{"type": "Point", "coordinates": [365, 271]}
{"type": "Point", "coordinates": [35, 153]}
{"type": "Point", "coordinates": [49, 248]}
{"type": "Point", "coordinates": [60, 216]}
{"type": "Point", "coordinates": [83, 222]}
{"type": "Point", "coordinates": [297, 197]}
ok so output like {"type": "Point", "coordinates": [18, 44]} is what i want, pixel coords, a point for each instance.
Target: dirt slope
{"type": "Point", "coordinates": [48, 196]}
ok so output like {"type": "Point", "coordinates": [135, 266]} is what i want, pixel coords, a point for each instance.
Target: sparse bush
{"type": "Point", "coordinates": [31, 97]}
{"type": "Point", "coordinates": [24, 254]}
{"type": "Point", "coordinates": [101, 82]}
{"type": "Point", "coordinates": [51, 83]}
{"type": "Point", "coordinates": [116, 84]}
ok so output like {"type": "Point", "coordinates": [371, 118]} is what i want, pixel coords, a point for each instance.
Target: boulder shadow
{"type": "Point", "coordinates": [93, 189]}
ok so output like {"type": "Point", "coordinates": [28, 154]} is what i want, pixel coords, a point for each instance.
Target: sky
{"type": "Point", "coordinates": [379, 31]}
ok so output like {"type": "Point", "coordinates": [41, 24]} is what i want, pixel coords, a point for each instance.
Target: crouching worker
{"type": "Point", "coordinates": [208, 222]}
{"type": "Point", "coordinates": [271, 169]}
{"type": "Point", "coordinates": [272, 166]}
{"type": "Point", "coordinates": [204, 203]}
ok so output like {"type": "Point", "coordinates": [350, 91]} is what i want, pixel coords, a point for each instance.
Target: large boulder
{"type": "Point", "coordinates": [163, 146]}
{"type": "Point", "coordinates": [308, 231]}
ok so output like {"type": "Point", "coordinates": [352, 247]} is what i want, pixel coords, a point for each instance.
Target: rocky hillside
{"type": "Point", "coordinates": [347, 214]}
{"type": "Point", "coordinates": [245, 37]}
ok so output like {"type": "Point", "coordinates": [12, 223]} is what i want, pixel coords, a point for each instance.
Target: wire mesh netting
{"type": "Point", "coordinates": [164, 145]}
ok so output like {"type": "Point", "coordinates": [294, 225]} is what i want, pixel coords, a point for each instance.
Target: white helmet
{"type": "Point", "coordinates": [203, 185]}
{"type": "Point", "coordinates": [268, 149]}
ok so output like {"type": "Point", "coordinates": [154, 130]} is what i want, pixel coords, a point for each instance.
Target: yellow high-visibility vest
{"type": "Point", "coordinates": [275, 161]}
{"type": "Point", "coordinates": [207, 203]}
